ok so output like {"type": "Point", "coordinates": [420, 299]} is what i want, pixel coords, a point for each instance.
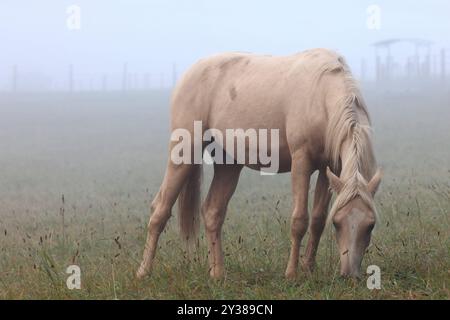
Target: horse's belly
{"type": "Point", "coordinates": [284, 166]}
{"type": "Point", "coordinates": [263, 151]}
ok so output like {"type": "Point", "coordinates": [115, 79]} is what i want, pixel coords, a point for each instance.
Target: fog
{"type": "Point", "coordinates": [46, 43]}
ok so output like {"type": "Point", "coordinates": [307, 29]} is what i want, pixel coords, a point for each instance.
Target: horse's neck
{"type": "Point", "coordinates": [360, 162]}
{"type": "Point", "coordinates": [347, 160]}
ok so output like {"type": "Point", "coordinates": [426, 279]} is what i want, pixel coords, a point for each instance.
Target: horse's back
{"type": "Point", "coordinates": [225, 77]}
{"type": "Point", "coordinates": [244, 90]}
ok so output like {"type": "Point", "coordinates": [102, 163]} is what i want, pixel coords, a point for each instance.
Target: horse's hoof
{"type": "Point", "coordinates": [216, 275]}
{"type": "Point", "coordinates": [141, 273]}
{"type": "Point", "coordinates": [308, 267]}
{"type": "Point", "coordinates": [290, 275]}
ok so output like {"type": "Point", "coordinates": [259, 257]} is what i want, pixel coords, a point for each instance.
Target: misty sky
{"type": "Point", "coordinates": [150, 35]}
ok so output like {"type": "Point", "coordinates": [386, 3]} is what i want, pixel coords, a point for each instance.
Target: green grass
{"type": "Point", "coordinates": [106, 154]}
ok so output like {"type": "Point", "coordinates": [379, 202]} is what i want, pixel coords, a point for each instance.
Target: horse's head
{"type": "Point", "coordinates": [354, 217]}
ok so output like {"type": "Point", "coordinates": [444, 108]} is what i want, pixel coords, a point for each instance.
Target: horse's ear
{"type": "Point", "coordinates": [335, 182]}
{"type": "Point", "coordinates": [374, 183]}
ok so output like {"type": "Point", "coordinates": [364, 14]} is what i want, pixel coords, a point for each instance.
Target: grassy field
{"type": "Point", "coordinates": [77, 174]}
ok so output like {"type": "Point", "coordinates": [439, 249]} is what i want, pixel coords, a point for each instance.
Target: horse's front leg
{"type": "Point", "coordinates": [301, 172]}
{"type": "Point", "coordinates": [322, 197]}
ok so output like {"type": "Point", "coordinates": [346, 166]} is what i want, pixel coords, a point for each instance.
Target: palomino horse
{"type": "Point", "coordinates": [312, 99]}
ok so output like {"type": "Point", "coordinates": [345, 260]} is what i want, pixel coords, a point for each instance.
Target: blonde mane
{"type": "Point", "coordinates": [350, 122]}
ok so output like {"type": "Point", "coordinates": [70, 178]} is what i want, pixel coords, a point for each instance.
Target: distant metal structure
{"type": "Point", "coordinates": [414, 66]}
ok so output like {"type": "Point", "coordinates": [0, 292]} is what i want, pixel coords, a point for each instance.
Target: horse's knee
{"type": "Point", "coordinates": [212, 218]}
{"type": "Point", "coordinates": [153, 206]}
{"type": "Point", "coordinates": [158, 220]}
{"type": "Point", "coordinates": [299, 223]}
{"type": "Point", "coordinates": [317, 222]}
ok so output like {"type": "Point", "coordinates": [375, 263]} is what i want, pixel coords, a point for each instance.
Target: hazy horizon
{"type": "Point", "coordinates": [152, 36]}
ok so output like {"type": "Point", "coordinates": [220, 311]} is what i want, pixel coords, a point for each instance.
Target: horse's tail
{"type": "Point", "coordinates": [189, 204]}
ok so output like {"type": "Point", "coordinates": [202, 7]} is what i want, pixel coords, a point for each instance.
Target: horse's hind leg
{"type": "Point", "coordinates": [322, 198]}
{"type": "Point", "coordinates": [300, 172]}
{"type": "Point", "coordinates": [173, 181]}
{"type": "Point", "coordinates": [214, 209]}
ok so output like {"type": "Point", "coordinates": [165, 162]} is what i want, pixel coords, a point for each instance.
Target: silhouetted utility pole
{"type": "Point", "coordinates": [124, 77]}
{"type": "Point", "coordinates": [147, 78]}
{"type": "Point", "coordinates": [70, 78]}
{"type": "Point", "coordinates": [161, 81]}
{"type": "Point", "coordinates": [410, 70]}
{"type": "Point", "coordinates": [428, 62]}
{"type": "Point", "coordinates": [389, 64]}
{"type": "Point", "coordinates": [417, 61]}
{"type": "Point", "coordinates": [136, 81]}
{"type": "Point", "coordinates": [363, 70]}
{"type": "Point", "coordinates": [104, 82]}
{"type": "Point", "coordinates": [174, 75]}
{"type": "Point", "coordinates": [14, 78]}
{"type": "Point", "coordinates": [378, 67]}
{"type": "Point", "coordinates": [434, 71]}
{"type": "Point", "coordinates": [443, 71]}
